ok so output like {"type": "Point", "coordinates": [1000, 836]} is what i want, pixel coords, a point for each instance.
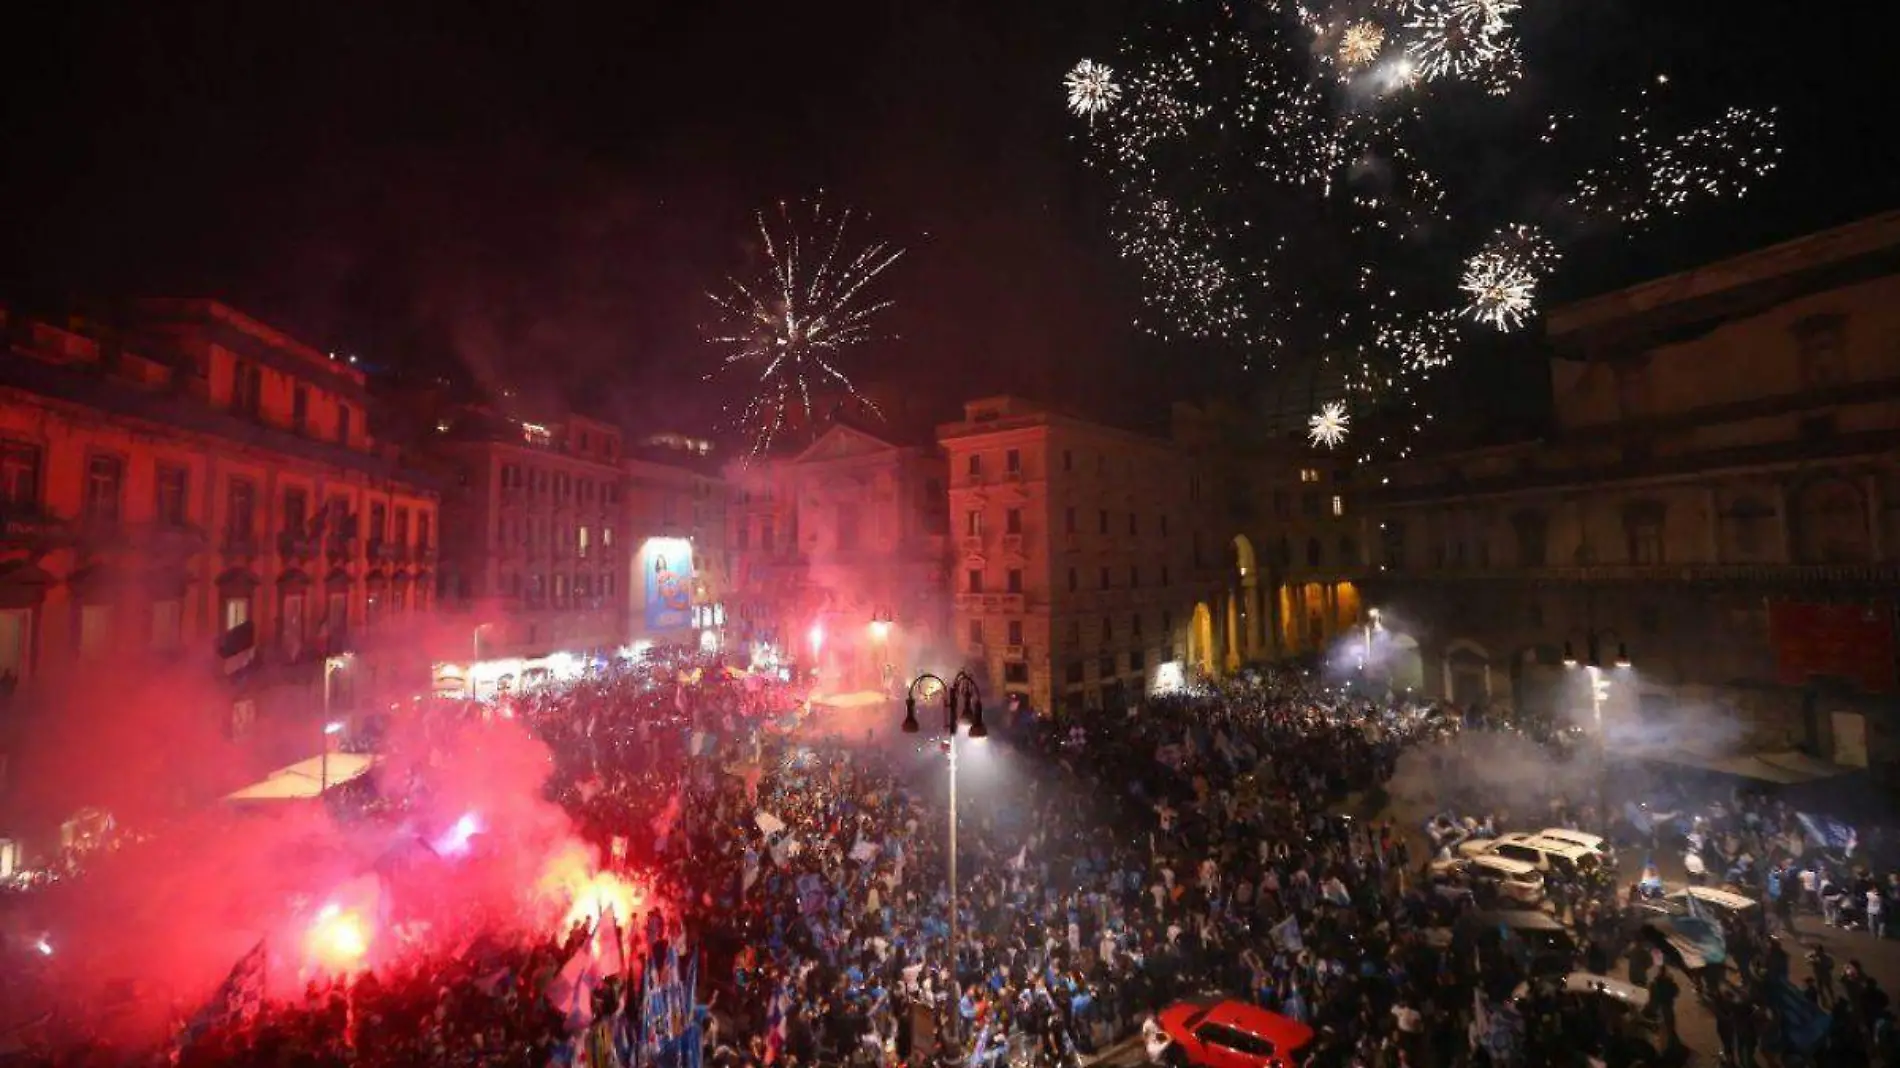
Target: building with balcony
{"type": "Point", "coordinates": [1715, 498]}
{"type": "Point", "coordinates": [535, 554]}
{"type": "Point", "coordinates": [838, 559]}
{"type": "Point", "coordinates": [184, 488]}
{"type": "Point", "coordinates": [1075, 547]}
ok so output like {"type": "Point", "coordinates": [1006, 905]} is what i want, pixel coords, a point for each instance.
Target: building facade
{"type": "Point", "coordinates": [677, 510]}
{"type": "Point", "coordinates": [1716, 500]}
{"type": "Point", "coordinates": [535, 557]}
{"type": "Point", "coordinates": [838, 558]}
{"type": "Point", "coordinates": [188, 489]}
{"type": "Point", "coordinates": [1082, 563]}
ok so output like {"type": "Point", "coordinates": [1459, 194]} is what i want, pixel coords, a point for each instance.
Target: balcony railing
{"type": "Point", "coordinates": [1015, 652]}
{"type": "Point", "coordinates": [238, 545]}
{"type": "Point", "coordinates": [296, 547]}
{"type": "Point", "coordinates": [990, 602]}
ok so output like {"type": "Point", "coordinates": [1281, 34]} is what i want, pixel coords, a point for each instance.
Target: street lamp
{"type": "Point", "coordinates": [1593, 664]}
{"type": "Point", "coordinates": [972, 710]}
{"type": "Point", "coordinates": [330, 730]}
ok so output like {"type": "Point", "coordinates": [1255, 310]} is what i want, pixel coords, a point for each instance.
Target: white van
{"type": "Point", "coordinates": [1546, 855]}
{"type": "Point", "coordinates": [1595, 843]}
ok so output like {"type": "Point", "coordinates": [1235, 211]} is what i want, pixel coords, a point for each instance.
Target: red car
{"type": "Point", "coordinates": [1221, 1033]}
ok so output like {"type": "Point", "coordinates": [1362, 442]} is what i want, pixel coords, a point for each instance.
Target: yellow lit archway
{"type": "Point", "coordinates": [1201, 639]}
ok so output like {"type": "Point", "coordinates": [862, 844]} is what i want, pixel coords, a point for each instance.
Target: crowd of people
{"type": "Point", "coordinates": [1228, 839]}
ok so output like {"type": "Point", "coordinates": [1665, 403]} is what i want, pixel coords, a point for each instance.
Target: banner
{"type": "Point", "coordinates": [668, 566]}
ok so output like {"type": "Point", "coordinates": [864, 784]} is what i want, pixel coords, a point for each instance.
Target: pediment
{"type": "Point", "coordinates": [842, 443]}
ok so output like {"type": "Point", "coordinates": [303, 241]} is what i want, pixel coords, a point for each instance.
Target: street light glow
{"type": "Point", "coordinates": [333, 727]}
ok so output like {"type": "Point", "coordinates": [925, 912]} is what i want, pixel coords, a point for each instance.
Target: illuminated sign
{"type": "Point", "coordinates": [667, 564]}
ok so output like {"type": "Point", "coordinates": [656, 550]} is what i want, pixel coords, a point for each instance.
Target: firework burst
{"type": "Point", "coordinates": [1092, 88]}
{"type": "Point", "coordinates": [788, 326]}
{"type": "Point", "coordinates": [1500, 279]}
{"type": "Point", "coordinates": [1359, 46]}
{"type": "Point", "coordinates": [1329, 425]}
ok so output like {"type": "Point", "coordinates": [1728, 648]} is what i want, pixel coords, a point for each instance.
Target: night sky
{"type": "Point", "coordinates": [541, 194]}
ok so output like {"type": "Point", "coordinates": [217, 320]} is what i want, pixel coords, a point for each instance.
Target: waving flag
{"type": "Point", "coordinates": [237, 1001]}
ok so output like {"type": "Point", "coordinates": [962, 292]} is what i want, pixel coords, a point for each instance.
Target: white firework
{"type": "Point", "coordinates": [787, 323]}
{"type": "Point", "coordinates": [1458, 37]}
{"type": "Point", "coordinates": [1499, 288]}
{"type": "Point", "coordinates": [1092, 88]}
{"type": "Point", "coordinates": [1329, 425]}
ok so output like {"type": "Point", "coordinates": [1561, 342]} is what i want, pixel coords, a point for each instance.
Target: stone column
{"type": "Point", "coordinates": [1232, 637]}
{"type": "Point", "coordinates": [1256, 621]}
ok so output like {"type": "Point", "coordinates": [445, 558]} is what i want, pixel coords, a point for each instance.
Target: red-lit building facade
{"type": "Point", "coordinates": [187, 488]}
{"type": "Point", "coordinates": [534, 540]}
{"type": "Point", "coordinates": [839, 558]}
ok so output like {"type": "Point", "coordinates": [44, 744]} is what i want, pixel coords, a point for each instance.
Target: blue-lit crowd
{"type": "Point", "coordinates": [1232, 839]}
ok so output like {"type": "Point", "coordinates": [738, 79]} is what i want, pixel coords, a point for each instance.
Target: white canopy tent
{"type": "Point", "coordinates": [306, 778]}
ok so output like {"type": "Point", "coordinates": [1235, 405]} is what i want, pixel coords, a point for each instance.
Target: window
{"type": "Point", "coordinates": [1167, 622]}
{"type": "Point", "coordinates": [973, 580]}
{"type": "Point", "coordinates": [1016, 671]}
{"type": "Point", "coordinates": [1313, 552]}
{"type": "Point", "coordinates": [173, 507]}
{"type": "Point", "coordinates": [1309, 503]}
{"type": "Point", "coordinates": [560, 587]}
{"type": "Point", "coordinates": [1349, 551]}
{"type": "Point", "coordinates": [105, 485]}
{"type": "Point", "coordinates": [1075, 633]}
{"type": "Point", "coordinates": [1013, 461]}
{"type": "Point", "coordinates": [422, 531]}
{"type": "Point", "coordinates": [606, 537]}
{"type": "Point", "coordinates": [1135, 626]}
{"type": "Point", "coordinates": [766, 532]}
{"type": "Point", "coordinates": [1104, 579]}
{"type": "Point", "coordinates": [1101, 522]}
{"type": "Point", "coordinates": [607, 577]}
{"type": "Point", "coordinates": [19, 476]}
{"type": "Point", "coordinates": [95, 631]}
{"type": "Point", "coordinates": [1105, 666]}
{"type": "Point", "coordinates": [1108, 629]}
{"type": "Point", "coordinates": [336, 621]}
{"type": "Point", "coordinates": [1339, 505]}
{"type": "Point", "coordinates": [1015, 632]}
{"type": "Point", "coordinates": [1392, 544]}
{"type": "Point", "coordinates": [167, 625]}
{"type": "Point", "coordinates": [16, 636]}
{"type": "Point", "coordinates": [247, 390]}
{"type": "Point", "coordinates": [1013, 521]}
{"type": "Point", "coordinates": [976, 633]}
{"type": "Point", "coordinates": [300, 408]}
{"type": "Point", "coordinates": [1137, 660]}
{"type": "Point", "coordinates": [973, 523]}
{"type": "Point", "coordinates": [290, 625]}
{"type": "Point", "coordinates": [1072, 580]}
{"type": "Point", "coordinates": [343, 424]}
{"type": "Point", "coordinates": [510, 476]}
{"type": "Point", "coordinates": [240, 518]}
{"type": "Point", "coordinates": [849, 519]}
{"type": "Point", "coordinates": [1643, 527]}
{"type": "Point", "coordinates": [1821, 343]}
{"type": "Point", "coordinates": [1531, 528]}
{"type": "Point", "coordinates": [1015, 580]}
{"type": "Point", "coordinates": [1073, 673]}
{"type": "Point", "coordinates": [1308, 474]}
{"type": "Point", "coordinates": [976, 465]}
{"type": "Point", "coordinates": [378, 522]}
{"type": "Point", "coordinates": [237, 612]}
{"type": "Point", "coordinates": [400, 535]}
{"type": "Point", "coordinates": [1068, 520]}
{"type": "Point", "coordinates": [584, 543]}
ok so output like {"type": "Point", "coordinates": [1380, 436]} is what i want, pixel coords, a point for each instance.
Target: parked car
{"type": "Point", "coordinates": [1493, 879]}
{"type": "Point", "coordinates": [1595, 843]}
{"type": "Point", "coordinates": [1216, 1032]}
